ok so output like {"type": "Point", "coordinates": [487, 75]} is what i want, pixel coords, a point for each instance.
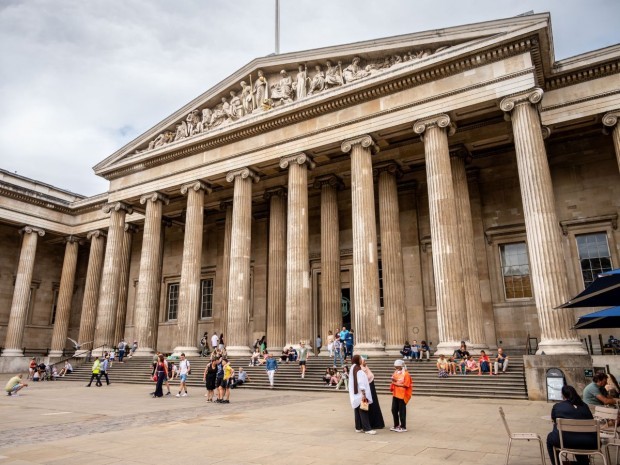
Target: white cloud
{"type": "Point", "coordinates": [80, 79]}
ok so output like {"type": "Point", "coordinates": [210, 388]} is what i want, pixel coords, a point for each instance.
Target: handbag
{"type": "Point", "coordinates": [364, 405]}
{"type": "Point", "coordinates": [155, 378]}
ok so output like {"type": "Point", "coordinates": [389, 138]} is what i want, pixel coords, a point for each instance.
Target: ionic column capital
{"type": "Point", "coordinates": [96, 234]}
{"type": "Point", "coordinates": [117, 206]}
{"type": "Point", "coordinates": [364, 140]}
{"type": "Point", "coordinates": [389, 167]}
{"type": "Point", "coordinates": [225, 204]}
{"type": "Point", "coordinates": [275, 192]}
{"type": "Point", "coordinates": [610, 119]}
{"type": "Point", "coordinates": [73, 239]}
{"type": "Point", "coordinates": [328, 180]}
{"type": "Point", "coordinates": [532, 96]}
{"type": "Point", "coordinates": [436, 121]}
{"type": "Point", "coordinates": [196, 186]}
{"type": "Point", "coordinates": [130, 228]}
{"type": "Point", "coordinates": [32, 229]}
{"type": "Point", "coordinates": [154, 197]}
{"type": "Point", "coordinates": [460, 151]}
{"type": "Point", "coordinates": [243, 173]}
{"type": "Point", "coordinates": [300, 158]}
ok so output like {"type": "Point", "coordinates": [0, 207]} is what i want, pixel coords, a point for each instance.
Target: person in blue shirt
{"type": "Point", "coordinates": [271, 365]}
{"type": "Point", "coordinates": [348, 340]}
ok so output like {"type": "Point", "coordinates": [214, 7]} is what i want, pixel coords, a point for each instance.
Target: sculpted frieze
{"type": "Point", "coordinates": [260, 93]}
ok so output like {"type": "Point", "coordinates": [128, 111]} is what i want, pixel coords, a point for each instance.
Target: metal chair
{"type": "Point", "coordinates": [566, 425]}
{"type": "Point", "coordinates": [521, 437]}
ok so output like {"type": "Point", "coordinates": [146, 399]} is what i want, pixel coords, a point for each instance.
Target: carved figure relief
{"type": "Point", "coordinates": [259, 95]}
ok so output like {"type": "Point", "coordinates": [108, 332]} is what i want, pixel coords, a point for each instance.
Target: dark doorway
{"type": "Point", "coordinates": [345, 305]}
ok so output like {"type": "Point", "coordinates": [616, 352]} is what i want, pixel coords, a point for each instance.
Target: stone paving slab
{"type": "Point", "coordinates": [67, 423]}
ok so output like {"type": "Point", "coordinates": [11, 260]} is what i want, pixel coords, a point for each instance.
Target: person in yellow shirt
{"type": "Point", "coordinates": [14, 385]}
{"type": "Point", "coordinates": [227, 380]}
{"type": "Point", "coordinates": [96, 373]}
{"type": "Point", "coordinates": [401, 388]}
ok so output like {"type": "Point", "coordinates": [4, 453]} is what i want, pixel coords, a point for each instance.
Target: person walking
{"type": "Point", "coordinates": [161, 374]}
{"type": "Point", "coordinates": [360, 396]}
{"type": "Point", "coordinates": [214, 341]}
{"type": "Point", "coordinates": [338, 349]}
{"type": "Point", "coordinates": [330, 344]}
{"type": "Point", "coordinates": [121, 350]}
{"type": "Point", "coordinates": [318, 344]}
{"type": "Point", "coordinates": [184, 370]}
{"type": "Point", "coordinates": [271, 365]}
{"type": "Point", "coordinates": [105, 365]}
{"type": "Point", "coordinates": [303, 358]}
{"type": "Point", "coordinates": [95, 373]}
{"type": "Point", "coordinates": [401, 388]}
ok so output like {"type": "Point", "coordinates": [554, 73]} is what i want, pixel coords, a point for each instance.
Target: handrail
{"type": "Point", "coordinates": [88, 352]}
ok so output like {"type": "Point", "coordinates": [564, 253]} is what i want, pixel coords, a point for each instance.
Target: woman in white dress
{"type": "Point", "coordinates": [360, 394]}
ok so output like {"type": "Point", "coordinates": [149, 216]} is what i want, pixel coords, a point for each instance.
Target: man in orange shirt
{"type": "Point", "coordinates": [401, 389]}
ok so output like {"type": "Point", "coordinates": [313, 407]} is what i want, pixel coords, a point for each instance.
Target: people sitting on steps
{"type": "Point", "coordinates": [501, 361]}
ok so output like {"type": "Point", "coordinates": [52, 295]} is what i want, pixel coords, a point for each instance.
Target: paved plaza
{"type": "Point", "coordinates": [67, 423]}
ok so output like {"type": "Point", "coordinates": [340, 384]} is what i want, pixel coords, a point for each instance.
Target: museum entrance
{"type": "Point", "coordinates": [345, 307]}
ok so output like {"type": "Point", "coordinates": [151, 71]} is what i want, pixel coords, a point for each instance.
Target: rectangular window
{"type": "Point", "coordinates": [516, 271]}
{"type": "Point", "coordinates": [173, 301]}
{"type": "Point", "coordinates": [381, 283]}
{"type": "Point", "coordinates": [54, 306]}
{"type": "Point", "coordinates": [206, 298]}
{"type": "Point", "coordinates": [594, 256]}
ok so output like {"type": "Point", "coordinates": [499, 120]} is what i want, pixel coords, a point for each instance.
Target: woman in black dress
{"type": "Point", "coordinates": [161, 372]}
{"type": "Point", "coordinates": [209, 378]}
{"type": "Point", "coordinates": [574, 408]}
{"type": "Point", "coordinates": [374, 410]}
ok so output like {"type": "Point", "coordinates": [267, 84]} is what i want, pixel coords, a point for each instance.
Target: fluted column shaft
{"type": "Point", "coordinates": [392, 260]}
{"type": "Point", "coordinates": [451, 313]}
{"type": "Point", "coordinates": [226, 266]}
{"type": "Point", "coordinates": [88, 317]}
{"type": "Point", "coordinates": [189, 288]}
{"type": "Point", "coordinates": [123, 286]}
{"type": "Point", "coordinates": [331, 293]}
{"type": "Point", "coordinates": [240, 255]}
{"type": "Point", "coordinates": [471, 281]}
{"type": "Point", "coordinates": [298, 307]}
{"type": "Point", "coordinates": [146, 318]}
{"type": "Point", "coordinates": [110, 279]}
{"type": "Point", "coordinates": [21, 293]}
{"type": "Point", "coordinates": [365, 259]}
{"type": "Point", "coordinates": [65, 294]}
{"type": "Point", "coordinates": [544, 240]}
{"type": "Point", "coordinates": [276, 281]}
{"type": "Point", "coordinates": [611, 120]}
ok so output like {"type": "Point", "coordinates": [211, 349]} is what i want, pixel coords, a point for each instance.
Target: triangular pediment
{"type": "Point", "coordinates": [270, 85]}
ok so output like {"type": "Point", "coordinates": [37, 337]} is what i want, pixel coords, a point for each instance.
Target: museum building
{"type": "Point", "coordinates": [448, 185]}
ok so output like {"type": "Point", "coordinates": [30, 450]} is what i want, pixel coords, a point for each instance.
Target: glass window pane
{"type": "Point", "coordinates": [516, 271]}
{"type": "Point", "coordinates": [594, 256]}
{"type": "Point", "coordinates": [173, 301]}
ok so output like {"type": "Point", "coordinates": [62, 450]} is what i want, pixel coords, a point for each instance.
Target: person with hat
{"type": "Point", "coordinates": [401, 389]}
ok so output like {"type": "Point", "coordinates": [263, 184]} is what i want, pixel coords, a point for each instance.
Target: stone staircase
{"type": "Point", "coordinates": [510, 385]}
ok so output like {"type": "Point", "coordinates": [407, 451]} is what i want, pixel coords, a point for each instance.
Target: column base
{"type": "Point", "coordinates": [188, 351]}
{"type": "Point", "coordinates": [144, 352]}
{"type": "Point", "coordinates": [369, 348]}
{"type": "Point", "coordinates": [55, 354]}
{"type": "Point", "coordinates": [275, 351]}
{"type": "Point", "coordinates": [474, 349]}
{"type": "Point", "coordinates": [394, 350]}
{"type": "Point", "coordinates": [12, 353]}
{"type": "Point", "coordinates": [447, 348]}
{"type": "Point", "coordinates": [14, 364]}
{"type": "Point", "coordinates": [561, 346]}
{"type": "Point", "coordinates": [238, 351]}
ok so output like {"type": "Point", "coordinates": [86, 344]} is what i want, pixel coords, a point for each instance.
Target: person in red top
{"type": "Point", "coordinates": [484, 364]}
{"type": "Point", "coordinates": [401, 389]}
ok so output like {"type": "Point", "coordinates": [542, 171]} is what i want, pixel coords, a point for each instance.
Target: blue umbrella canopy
{"type": "Point", "coordinates": [603, 292]}
{"type": "Point", "coordinates": [608, 318]}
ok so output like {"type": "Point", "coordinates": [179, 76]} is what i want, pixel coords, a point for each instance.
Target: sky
{"type": "Point", "coordinates": [81, 78]}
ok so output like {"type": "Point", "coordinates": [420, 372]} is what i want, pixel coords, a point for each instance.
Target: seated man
{"type": "Point", "coordinates": [501, 361]}
{"type": "Point", "coordinates": [285, 354]}
{"type": "Point", "coordinates": [415, 350]}
{"type": "Point", "coordinates": [292, 354]}
{"type": "Point", "coordinates": [66, 369]}
{"type": "Point", "coordinates": [14, 385]}
{"type": "Point", "coordinates": [240, 378]}
{"type": "Point", "coordinates": [595, 394]}
{"type": "Point", "coordinates": [406, 352]}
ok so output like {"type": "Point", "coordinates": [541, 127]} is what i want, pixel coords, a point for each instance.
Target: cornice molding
{"type": "Point", "coordinates": [587, 74]}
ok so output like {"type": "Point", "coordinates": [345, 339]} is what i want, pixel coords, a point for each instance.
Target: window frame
{"type": "Point", "coordinates": [204, 279]}
{"type": "Point", "coordinates": [169, 287]}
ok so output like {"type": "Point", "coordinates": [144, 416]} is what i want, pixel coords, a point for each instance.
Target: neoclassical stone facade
{"type": "Point", "coordinates": [438, 187]}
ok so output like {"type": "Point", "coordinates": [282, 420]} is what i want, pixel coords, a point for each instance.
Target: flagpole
{"type": "Point", "coordinates": [277, 27]}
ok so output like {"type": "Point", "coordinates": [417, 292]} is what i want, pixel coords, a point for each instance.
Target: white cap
{"type": "Point", "coordinates": [399, 363]}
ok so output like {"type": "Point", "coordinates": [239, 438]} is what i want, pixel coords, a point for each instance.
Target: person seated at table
{"type": "Point", "coordinates": [406, 352]}
{"type": "Point", "coordinates": [484, 364]}
{"type": "Point", "coordinates": [572, 407]}
{"type": "Point", "coordinates": [292, 354]}
{"type": "Point", "coordinates": [595, 393]}
{"type": "Point", "coordinates": [285, 354]}
{"type": "Point", "coordinates": [613, 342]}
{"type": "Point", "coordinates": [612, 387]}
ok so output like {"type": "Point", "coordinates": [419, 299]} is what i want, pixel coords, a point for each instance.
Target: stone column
{"type": "Point", "coordinates": [149, 278]}
{"type": "Point", "coordinates": [365, 259]}
{"type": "Point", "coordinates": [471, 281]}
{"type": "Point", "coordinates": [394, 314]}
{"type": "Point", "coordinates": [611, 120]}
{"type": "Point", "coordinates": [276, 281]}
{"type": "Point", "coordinates": [544, 238]}
{"type": "Point", "coordinates": [123, 287]}
{"type": "Point", "coordinates": [21, 293]}
{"type": "Point", "coordinates": [110, 279]}
{"type": "Point", "coordinates": [65, 294]}
{"type": "Point", "coordinates": [448, 271]}
{"type": "Point", "coordinates": [86, 335]}
{"type": "Point", "coordinates": [238, 314]}
{"type": "Point", "coordinates": [189, 288]}
{"type": "Point", "coordinates": [331, 292]}
{"type": "Point", "coordinates": [298, 305]}
{"type": "Point", "coordinates": [227, 206]}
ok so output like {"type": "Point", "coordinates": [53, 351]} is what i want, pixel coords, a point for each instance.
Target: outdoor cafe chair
{"type": "Point", "coordinates": [566, 425]}
{"type": "Point", "coordinates": [521, 437]}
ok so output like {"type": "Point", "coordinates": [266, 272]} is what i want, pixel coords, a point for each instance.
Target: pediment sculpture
{"type": "Point", "coordinates": [258, 95]}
